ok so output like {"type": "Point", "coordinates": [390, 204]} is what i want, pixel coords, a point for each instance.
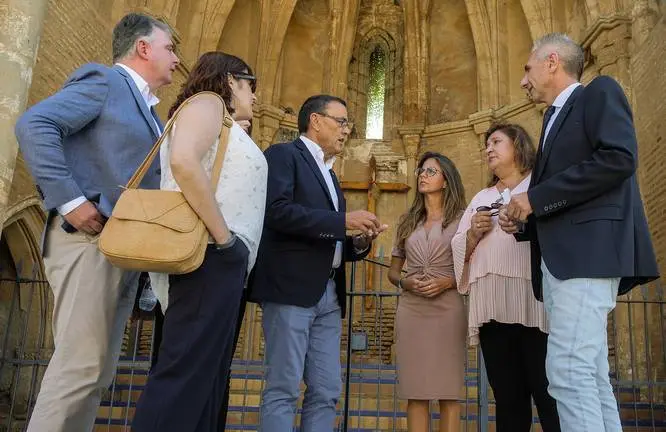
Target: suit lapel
{"type": "Point", "coordinates": [157, 119]}
{"type": "Point", "coordinates": [143, 107]}
{"type": "Point", "coordinates": [341, 197]}
{"type": "Point", "coordinates": [544, 151]}
{"type": "Point", "coordinates": [315, 169]}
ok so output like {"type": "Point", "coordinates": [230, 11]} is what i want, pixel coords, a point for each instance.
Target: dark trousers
{"type": "Point", "coordinates": [185, 390]}
{"type": "Point", "coordinates": [515, 358]}
{"type": "Point", "coordinates": [224, 408]}
{"type": "Point", "coordinates": [158, 326]}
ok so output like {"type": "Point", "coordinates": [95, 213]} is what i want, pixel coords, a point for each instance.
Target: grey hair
{"type": "Point", "coordinates": [130, 29]}
{"type": "Point", "coordinates": [571, 54]}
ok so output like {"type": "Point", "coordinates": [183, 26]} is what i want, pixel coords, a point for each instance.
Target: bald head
{"type": "Point", "coordinates": [571, 54]}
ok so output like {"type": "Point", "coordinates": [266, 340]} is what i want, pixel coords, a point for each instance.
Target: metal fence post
{"type": "Point", "coordinates": [350, 314]}
{"type": "Point", "coordinates": [482, 393]}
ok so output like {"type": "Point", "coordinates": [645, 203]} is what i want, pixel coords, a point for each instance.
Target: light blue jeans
{"type": "Point", "coordinates": [577, 357]}
{"type": "Point", "coordinates": [302, 343]}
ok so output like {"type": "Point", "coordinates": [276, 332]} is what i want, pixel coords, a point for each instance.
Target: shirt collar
{"type": "Point", "coordinates": [317, 152]}
{"type": "Point", "coordinates": [562, 98]}
{"type": "Point", "coordinates": [142, 85]}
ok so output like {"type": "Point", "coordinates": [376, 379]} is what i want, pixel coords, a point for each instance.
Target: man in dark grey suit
{"type": "Point", "coordinates": [586, 225]}
{"type": "Point", "coordinates": [81, 145]}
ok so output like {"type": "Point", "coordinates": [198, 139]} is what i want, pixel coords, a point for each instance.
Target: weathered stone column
{"type": "Point", "coordinates": [266, 124]}
{"type": "Point", "coordinates": [481, 122]}
{"type": "Point", "coordinates": [609, 41]}
{"type": "Point", "coordinates": [411, 142]}
{"type": "Point", "coordinates": [644, 17]}
{"type": "Point", "coordinates": [20, 29]}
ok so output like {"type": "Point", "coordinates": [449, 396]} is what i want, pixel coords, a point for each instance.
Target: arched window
{"type": "Point", "coordinates": [376, 92]}
{"type": "Point", "coordinates": [375, 86]}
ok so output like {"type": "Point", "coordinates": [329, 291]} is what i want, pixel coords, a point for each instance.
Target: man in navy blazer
{"type": "Point", "coordinates": [586, 225]}
{"type": "Point", "coordinates": [82, 145]}
{"type": "Point", "coordinates": [299, 278]}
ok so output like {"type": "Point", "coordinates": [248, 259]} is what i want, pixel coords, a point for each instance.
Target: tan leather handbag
{"type": "Point", "coordinates": [157, 230]}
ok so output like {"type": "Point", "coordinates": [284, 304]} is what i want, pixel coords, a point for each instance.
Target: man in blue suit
{"type": "Point", "coordinates": [299, 278]}
{"type": "Point", "coordinates": [82, 145]}
{"type": "Point", "coordinates": [584, 219]}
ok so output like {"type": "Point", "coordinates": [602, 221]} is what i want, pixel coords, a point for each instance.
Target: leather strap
{"type": "Point", "coordinates": [140, 173]}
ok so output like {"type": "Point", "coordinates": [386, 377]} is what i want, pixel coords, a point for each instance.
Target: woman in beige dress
{"type": "Point", "coordinates": [430, 321]}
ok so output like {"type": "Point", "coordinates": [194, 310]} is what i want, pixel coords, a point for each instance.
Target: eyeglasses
{"type": "Point", "coordinates": [493, 208]}
{"type": "Point", "coordinates": [251, 78]}
{"type": "Point", "coordinates": [429, 172]}
{"type": "Point", "coordinates": [342, 122]}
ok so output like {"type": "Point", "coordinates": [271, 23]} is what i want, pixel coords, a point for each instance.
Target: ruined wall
{"type": "Point", "coordinates": [649, 89]}
{"type": "Point", "coordinates": [452, 72]}
{"type": "Point", "coordinates": [305, 51]}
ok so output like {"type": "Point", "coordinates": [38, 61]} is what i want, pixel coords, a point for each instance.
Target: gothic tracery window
{"type": "Point", "coordinates": [376, 92]}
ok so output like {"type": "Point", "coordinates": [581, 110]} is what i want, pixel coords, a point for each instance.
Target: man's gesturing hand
{"type": "Point", "coordinates": [363, 221]}
{"type": "Point", "coordinates": [519, 207]}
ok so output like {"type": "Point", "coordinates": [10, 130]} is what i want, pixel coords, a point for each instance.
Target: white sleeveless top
{"type": "Point", "coordinates": [240, 194]}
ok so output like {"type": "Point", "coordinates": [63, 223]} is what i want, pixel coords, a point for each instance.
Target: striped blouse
{"type": "Point", "coordinates": [497, 276]}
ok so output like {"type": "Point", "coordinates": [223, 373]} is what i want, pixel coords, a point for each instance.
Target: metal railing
{"type": "Point", "coordinates": [369, 401]}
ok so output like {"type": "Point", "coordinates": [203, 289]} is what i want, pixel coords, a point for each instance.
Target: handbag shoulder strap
{"type": "Point", "coordinates": [227, 122]}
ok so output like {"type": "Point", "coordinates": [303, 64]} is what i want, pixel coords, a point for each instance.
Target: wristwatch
{"type": "Point", "coordinates": [400, 283]}
{"type": "Point", "coordinates": [229, 243]}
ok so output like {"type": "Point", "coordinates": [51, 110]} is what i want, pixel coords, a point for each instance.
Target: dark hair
{"type": "Point", "coordinates": [524, 152]}
{"type": "Point", "coordinates": [453, 199]}
{"type": "Point", "coordinates": [314, 104]}
{"type": "Point", "coordinates": [210, 74]}
{"type": "Point", "coordinates": [131, 28]}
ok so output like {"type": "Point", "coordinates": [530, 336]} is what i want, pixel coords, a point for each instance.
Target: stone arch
{"type": "Point", "coordinates": [479, 21]}
{"type": "Point", "coordinates": [344, 21]}
{"type": "Point", "coordinates": [305, 49]}
{"type": "Point", "coordinates": [358, 82]}
{"type": "Point", "coordinates": [204, 21]}
{"type": "Point", "coordinates": [452, 69]}
{"type": "Point", "coordinates": [275, 18]}
{"type": "Point", "coordinates": [22, 232]}
{"type": "Point", "coordinates": [25, 306]}
{"type": "Point", "coordinates": [240, 33]}
{"type": "Point", "coordinates": [514, 47]}
{"type": "Point", "coordinates": [539, 17]}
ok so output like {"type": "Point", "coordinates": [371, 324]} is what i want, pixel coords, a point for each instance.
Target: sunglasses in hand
{"type": "Point", "coordinates": [492, 208]}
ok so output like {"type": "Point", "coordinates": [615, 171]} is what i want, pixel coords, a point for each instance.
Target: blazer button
{"type": "Point", "coordinates": [158, 171]}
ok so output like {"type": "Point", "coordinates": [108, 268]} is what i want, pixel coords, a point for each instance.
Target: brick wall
{"type": "Point", "coordinates": [649, 91]}
{"type": "Point", "coordinates": [74, 33]}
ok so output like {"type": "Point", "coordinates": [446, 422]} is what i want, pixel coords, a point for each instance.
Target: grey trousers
{"type": "Point", "coordinates": [302, 343]}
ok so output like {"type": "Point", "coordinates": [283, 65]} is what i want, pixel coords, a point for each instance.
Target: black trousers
{"type": "Point", "coordinates": [185, 390]}
{"type": "Point", "coordinates": [515, 358]}
{"type": "Point", "coordinates": [224, 408]}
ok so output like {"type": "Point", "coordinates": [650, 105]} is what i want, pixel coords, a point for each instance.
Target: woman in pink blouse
{"type": "Point", "coordinates": [494, 269]}
{"type": "Point", "coordinates": [430, 320]}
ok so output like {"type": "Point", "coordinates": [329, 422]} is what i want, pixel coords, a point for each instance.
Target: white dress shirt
{"type": "Point", "coordinates": [148, 97]}
{"type": "Point", "coordinates": [559, 102]}
{"type": "Point", "coordinates": [325, 166]}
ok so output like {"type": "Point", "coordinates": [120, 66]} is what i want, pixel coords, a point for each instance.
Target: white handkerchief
{"type": "Point", "coordinates": [506, 196]}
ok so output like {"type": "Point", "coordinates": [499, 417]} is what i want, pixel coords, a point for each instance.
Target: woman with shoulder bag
{"type": "Point", "coordinates": [185, 389]}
